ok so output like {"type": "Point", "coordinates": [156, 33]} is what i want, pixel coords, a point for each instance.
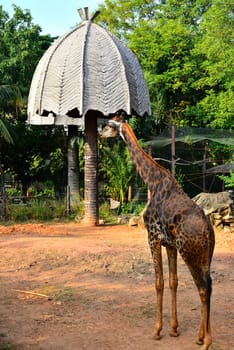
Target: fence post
{"type": "Point", "coordinates": [204, 169]}
{"type": "Point", "coordinates": [4, 204]}
{"type": "Point", "coordinates": [68, 200]}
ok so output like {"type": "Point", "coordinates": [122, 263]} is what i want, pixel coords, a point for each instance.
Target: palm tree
{"type": "Point", "coordinates": [7, 93]}
{"type": "Point", "coordinates": [118, 167]}
{"type": "Point", "coordinates": [9, 97]}
{"type": "Point", "coordinates": [4, 133]}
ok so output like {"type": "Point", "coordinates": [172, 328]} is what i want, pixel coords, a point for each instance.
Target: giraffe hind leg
{"type": "Point", "coordinates": [204, 336]}
{"type": "Point", "coordinates": [203, 282]}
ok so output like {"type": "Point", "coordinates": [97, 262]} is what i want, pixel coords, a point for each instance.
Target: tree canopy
{"type": "Point", "coordinates": [186, 51]}
{"type": "Point", "coordinates": [21, 45]}
{"type": "Point", "coordinates": [215, 51]}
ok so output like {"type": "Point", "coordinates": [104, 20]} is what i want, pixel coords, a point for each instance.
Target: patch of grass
{"type": "Point", "coordinates": [65, 294]}
{"type": "Point", "coordinates": [216, 346]}
{"type": "Point", "coordinates": [8, 346]}
{"type": "Point", "coordinates": [58, 293]}
{"type": "Point", "coordinates": [148, 311]}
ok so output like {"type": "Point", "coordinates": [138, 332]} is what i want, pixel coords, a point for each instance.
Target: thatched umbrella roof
{"type": "Point", "coordinates": [87, 68]}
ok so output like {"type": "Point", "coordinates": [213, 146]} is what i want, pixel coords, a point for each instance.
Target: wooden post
{"type": "Point", "coordinates": [204, 169]}
{"type": "Point", "coordinates": [4, 202]}
{"type": "Point", "coordinates": [129, 193]}
{"type": "Point", "coordinates": [68, 200]}
{"type": "Point", "coordinates": [91, 175]}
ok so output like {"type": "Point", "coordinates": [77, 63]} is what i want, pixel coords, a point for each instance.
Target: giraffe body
{"type": "Point", "coordinates": [174, 221]}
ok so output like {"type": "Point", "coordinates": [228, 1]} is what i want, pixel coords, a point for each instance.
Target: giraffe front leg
{"type": "Point", "coordinates": [173, 284]}
{"type": "Point", "coordinates": [200, 338]}
{"type": "Point", "coordinates": [159, 286]}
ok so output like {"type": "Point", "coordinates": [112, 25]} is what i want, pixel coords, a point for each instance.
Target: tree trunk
{"type": "Point", "coordinates": [91, 178]}
{"type": "Point", "coordinates": [73, 165]}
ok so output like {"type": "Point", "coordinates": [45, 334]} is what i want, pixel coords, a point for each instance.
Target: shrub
{"type": "Point", "coordinates": [107, 214]}
{"type": "Point", "coordinates": [36, 210]}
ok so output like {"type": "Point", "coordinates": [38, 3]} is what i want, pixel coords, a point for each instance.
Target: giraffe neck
{"type": "Point", "coordinates": [150, 171]}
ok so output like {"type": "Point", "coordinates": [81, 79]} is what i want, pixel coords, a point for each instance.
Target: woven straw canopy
{"type": "Point", "coordinates": [86, 69]}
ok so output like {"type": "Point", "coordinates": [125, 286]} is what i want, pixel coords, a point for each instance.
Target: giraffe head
{"type": "Point", "coordinates": [114, 125]}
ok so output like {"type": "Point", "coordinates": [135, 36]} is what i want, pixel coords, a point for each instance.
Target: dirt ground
{"type": "Point", "coordinates": [69, 287]}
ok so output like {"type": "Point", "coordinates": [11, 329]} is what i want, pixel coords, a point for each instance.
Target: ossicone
{"type": "Point", "coordinates": [119, 115]}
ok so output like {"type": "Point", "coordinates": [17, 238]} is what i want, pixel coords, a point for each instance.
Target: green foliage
{"type": "Point", "coordinates": [186, 51]}
{"type": "Point", "coordinates": [117, 169]}
{"type": "Point", "coordinates": [132, 207]}
{"type": "Point", "coordinates": [77, 210]}
{"type": "Point", "coordinates": [36, 154]}
{"type": "Point", "coordinates": [21, 47]}
{"type": "Point", "coordinates": [33, 211]}
{"type": "Point", "coordinates": [143, 127]}
{"type": "Point", "coordinates": [215, 52]}
{"type": "Point", "coordinates": [179, 177]}
{"type": "Point", "coordinates": [7, 346]}
{"type": "Point", "coordinates": [42, 189]}
{"type": "Point", "coordinates": [4, 132]}
{"type": "Point", "coordinates": [9, 97]}
{"type": "Point", "coordinates": [107, 214]}
{"type": "Point", "coordinates": [13, 192]}
{"type": "Point", "coordinates": [228, 180]}
{"type": "Point", "coordinates": [41, 210]}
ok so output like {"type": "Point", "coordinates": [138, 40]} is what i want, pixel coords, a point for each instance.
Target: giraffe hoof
{"type": "Point", "coordinates": [157, 336]}
{"type": "Point", "coordinates": [200, 342]}
{"type": "Point", "coordinates": [174, 334]}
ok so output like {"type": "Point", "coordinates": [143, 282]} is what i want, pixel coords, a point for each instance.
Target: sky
{"type": "Point", "coordinates": [55, 17]}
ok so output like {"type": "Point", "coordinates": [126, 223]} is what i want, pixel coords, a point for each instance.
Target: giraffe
{"type": "Point", "coordinates": [174, 221]}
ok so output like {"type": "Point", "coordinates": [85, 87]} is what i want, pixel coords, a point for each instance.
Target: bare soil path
{"type": "Point", "coordinates": [69, 287]}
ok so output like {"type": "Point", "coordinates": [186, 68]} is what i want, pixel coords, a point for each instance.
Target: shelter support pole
{"type": "Point", "coordinates": [91, 170]}
{"type": "Point", "coordinates": [73, 165]}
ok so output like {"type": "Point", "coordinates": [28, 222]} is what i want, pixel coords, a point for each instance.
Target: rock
{"type": "Point", "coordinates": [217, 206]}
{"type": "Point", "coordinates": [123, 220]}
{"type": "Point", "coordinates": [133, 221]}
{"type": "Point", "coordinates": [114, 204]}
